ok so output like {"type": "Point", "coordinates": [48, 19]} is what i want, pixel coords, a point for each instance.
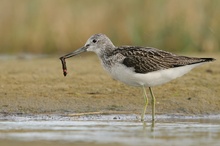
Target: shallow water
{"type": "Point", "coordinates": [110, 130]}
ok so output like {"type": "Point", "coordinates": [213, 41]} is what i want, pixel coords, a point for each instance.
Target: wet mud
{"type": "Point", "coordinates": [37, 86]}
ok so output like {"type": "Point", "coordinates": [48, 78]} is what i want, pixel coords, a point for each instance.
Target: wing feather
{"type": "Point", "coordinates": [145, 59]}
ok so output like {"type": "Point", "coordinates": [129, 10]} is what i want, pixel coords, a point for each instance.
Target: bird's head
{"type": "Point", "coordinates": [98, 43]}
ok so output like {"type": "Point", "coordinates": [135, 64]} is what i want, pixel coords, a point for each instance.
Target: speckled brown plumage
{"type": "Point", "coordinates": [146, 59]}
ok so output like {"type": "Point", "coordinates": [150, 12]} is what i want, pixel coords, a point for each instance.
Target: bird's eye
{"type": "Point", "coordinates": [94, 41]}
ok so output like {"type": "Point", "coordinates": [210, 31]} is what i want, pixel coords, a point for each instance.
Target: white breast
{"type": "Point", "coordinates": [128, 76]}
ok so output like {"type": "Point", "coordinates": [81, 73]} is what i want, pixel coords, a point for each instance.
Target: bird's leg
{"type": "Point", "coordinates": [153, 100]}
{"type": "Point", "coordinates": [146, 103]}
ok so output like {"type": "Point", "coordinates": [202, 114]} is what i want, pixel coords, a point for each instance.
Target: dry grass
{"type": "Point", "coordinates": [55, 26]}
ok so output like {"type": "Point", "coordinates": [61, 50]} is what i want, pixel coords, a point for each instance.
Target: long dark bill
{"type": "Point", "coordinates": [63, 61]}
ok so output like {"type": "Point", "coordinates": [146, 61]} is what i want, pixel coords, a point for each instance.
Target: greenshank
{"type": "Point", "coordinates": [137, 66]}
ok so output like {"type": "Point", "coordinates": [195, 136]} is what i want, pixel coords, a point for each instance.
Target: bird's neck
{"type": "Point", "coordinates": [105, 56]}
{"type": "Point", "coordinates": [106, 52]}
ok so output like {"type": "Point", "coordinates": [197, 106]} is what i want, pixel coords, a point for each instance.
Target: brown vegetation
{"type": "Point", "coordinates": [54, 26]}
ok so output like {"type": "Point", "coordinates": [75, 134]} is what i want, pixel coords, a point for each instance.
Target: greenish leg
{"type": "Point", "coordinates": [146, 103]}
{"type": "Point", "coordinates": [153, 104]}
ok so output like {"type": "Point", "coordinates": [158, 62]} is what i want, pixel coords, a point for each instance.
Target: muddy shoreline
{"type": "Point", "coordinates": [37, 86]}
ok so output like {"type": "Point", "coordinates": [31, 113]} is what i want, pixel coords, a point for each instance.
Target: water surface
{"type": "Point", "coordinates": [109, 130]}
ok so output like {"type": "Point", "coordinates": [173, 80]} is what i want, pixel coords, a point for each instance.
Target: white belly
{"type": "Point", "coordinates": [128, 76]}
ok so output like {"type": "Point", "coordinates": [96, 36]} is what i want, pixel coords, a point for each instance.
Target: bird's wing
{"type": "Point", "coordinates": [145, 60]}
